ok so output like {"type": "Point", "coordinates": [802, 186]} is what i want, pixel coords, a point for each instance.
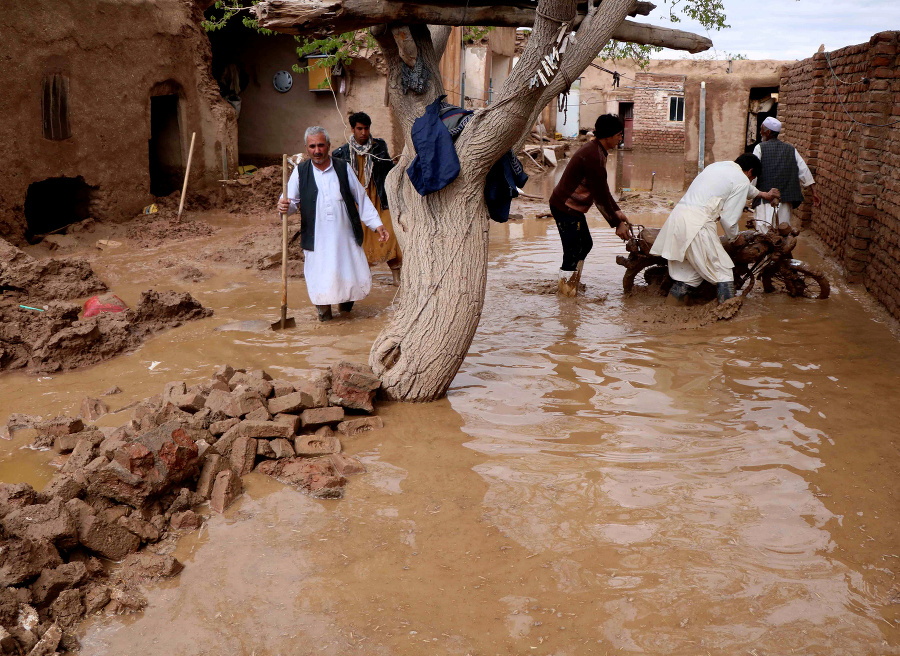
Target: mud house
{"type": "Point", "coordinates": [277, 103]}
{"type": "Point", "coordinates": [100, 103]}
{"type": "Point", "coordinates": [661, 104]}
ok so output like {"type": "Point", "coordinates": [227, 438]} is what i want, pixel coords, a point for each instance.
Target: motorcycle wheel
{"type": "Point", "coordinates": [797, 279]}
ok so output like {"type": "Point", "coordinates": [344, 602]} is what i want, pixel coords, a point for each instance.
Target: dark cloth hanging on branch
{"type": "Point", "coordinates": [503, 180]}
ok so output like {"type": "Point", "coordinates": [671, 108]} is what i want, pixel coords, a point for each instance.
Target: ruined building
{"type": "Point", "coordinates": [100, 102]}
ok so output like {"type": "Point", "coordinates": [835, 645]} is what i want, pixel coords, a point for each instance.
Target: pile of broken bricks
{"type": "Point", "coordinates": [121, 489]}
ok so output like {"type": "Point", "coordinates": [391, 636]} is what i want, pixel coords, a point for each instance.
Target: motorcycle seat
{"type": "Point", "coordinates": [646, 239]}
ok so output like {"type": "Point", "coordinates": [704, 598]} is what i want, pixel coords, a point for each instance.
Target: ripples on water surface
{"type": "Point", "coordinates": [593, 484]}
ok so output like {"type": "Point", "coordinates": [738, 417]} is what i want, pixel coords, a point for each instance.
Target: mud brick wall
{"type": "Point", "coordinates": [653, 131]}
{"type": "Point", "coordinates": [854, 158]}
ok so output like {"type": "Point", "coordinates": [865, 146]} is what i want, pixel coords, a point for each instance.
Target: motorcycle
{"type": "Point", "coordinates": [762, 254]}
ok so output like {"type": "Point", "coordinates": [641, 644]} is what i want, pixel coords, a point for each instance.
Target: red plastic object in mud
{"type": "Point", "coordinates": [104, 303]}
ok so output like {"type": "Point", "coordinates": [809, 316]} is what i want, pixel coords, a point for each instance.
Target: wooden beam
{"type": "Point", "coordinates": [664, 37]}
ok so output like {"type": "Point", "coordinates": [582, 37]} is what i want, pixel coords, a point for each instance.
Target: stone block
{"type": "Point", "coordinates": [290, 420]}
{"type": "Point", "coordinates": [189, 402]}
{"type": "Point", "coordinates": [264, 449]}
{"type": "Point", "coordinates": [316, 477]}
{"type": "Point", "coordinates": [291, 403]}
{"type": "Point", "coordinates": [224, 443]}
{"type": "Point", "coordinates": [282, 448]}
{"type": "Point", "coordinates": [53, 581]}
{"type": "Point", "coordinates": [21, 560]}
{"type": "Point", "coordinates": [260, 414]}
{"type": "Point", "coordinates": [264, 429]}
{"type": "Point", "coordinates": [243, 455]}
{"type": "Point", "coordinates": [144, 530]}
{"type": "Point", "coordinates": [81, 455]}
{"type": "Point", "coordinates": [224, 373]}
{"type": "Point", "coordinates": [60, 426]}
{"type": "Point", "coordinates": [219, 428]}
{"type": "Point", "coordinates": [50, 522]}
{"type": "Point", "coordinates": [315, 417]}
{"type": "Point", "coordinates": [212, 465]}
{"type": "Point", "coordinates": [254, 383]}
{"type": "Point", "coordinates": [226, 489]}
{"type": "Point", "coordinates": [186, 520]}
{"type": "Point", "coordinates": [346, 465]}
{"type": "Point", "coordinates": [92, 409]}
{"type": "Point", "coordinates": [316, 445]}
{"type": "Point", "coordinates": [359, 425]}
{"type": "Point", "coordinates": [282, 388]}
{"type": "Point", "coordinates": [65, 487]}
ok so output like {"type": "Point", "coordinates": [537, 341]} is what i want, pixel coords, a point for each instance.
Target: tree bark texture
{"type": "Point", "coordinates": [309, 16]}
{"type": "Point", "coordinates": [444, 236]}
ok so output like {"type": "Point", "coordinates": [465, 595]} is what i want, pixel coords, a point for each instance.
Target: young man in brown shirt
{"type": "Point", "coordinates": [583, 184]}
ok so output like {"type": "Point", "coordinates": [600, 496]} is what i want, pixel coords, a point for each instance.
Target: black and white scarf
{"type": "Point", "coordinates": [366, 151]}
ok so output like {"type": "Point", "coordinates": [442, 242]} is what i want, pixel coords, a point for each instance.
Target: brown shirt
{"type": "Point", "coordinates": [584, 183]}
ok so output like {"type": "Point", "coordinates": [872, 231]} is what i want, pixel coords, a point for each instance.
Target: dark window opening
{"type": "Point", "coordinates": [166, 164]}
{"type": "Point", "coordinates": [55, 107]}
{"type": "Point", "coordinates": [55, 203]}
{"type": "Point", "coordinates": [676, 108]}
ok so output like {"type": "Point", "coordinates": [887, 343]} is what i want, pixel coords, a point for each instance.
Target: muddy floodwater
{"type": "Point", "coordinates": [592, 484]}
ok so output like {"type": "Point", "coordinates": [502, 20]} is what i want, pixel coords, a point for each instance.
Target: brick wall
{"type": "Point", "coordinates": [855, 166]}
{"type": "Point", "coordinates": [653, 131]}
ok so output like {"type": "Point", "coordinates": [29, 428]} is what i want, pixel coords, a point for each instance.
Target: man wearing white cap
{"type": "Point", "coordinates": [783, 169]}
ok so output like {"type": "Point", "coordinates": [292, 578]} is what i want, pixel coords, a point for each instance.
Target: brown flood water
{"type": "Point", "coordinates": [591, 485]}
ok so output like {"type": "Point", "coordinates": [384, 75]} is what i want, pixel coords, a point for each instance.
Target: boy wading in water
{"type": "Point", "coordinates": [583, 184]}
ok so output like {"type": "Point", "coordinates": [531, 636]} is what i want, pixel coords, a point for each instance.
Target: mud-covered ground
{"type": "Point", "coordinates": [595, 481]}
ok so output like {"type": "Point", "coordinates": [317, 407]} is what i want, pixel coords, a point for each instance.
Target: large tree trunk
{"type": "Point", "coordinates": [444, 236]}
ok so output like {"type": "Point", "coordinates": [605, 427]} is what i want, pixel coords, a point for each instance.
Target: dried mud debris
{"type": "Point", "coordinates": [27, 280]}
{"type": "Point", "coordinates": [124, 493]}
{"type": "Point", "coordinates": [57, 339]}
{"type": "Point", "coordinates": [149, 232]}
{"type": "Point", "coordinates": [47, 335]}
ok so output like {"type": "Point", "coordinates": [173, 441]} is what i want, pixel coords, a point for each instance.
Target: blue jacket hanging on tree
{"type": "Point", "coordinates": [436, 165]}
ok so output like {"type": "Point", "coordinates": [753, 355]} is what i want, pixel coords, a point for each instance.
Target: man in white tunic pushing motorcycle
{"type": "Point", "coordinates": [333, 206]}
{"type": "Point", "coordinates": [689, 240]}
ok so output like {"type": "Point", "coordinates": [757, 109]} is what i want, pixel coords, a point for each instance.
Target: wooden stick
{"type": "Point", "coordinates": [225, 161]}
{"type": "Point", "coordinates": [187, 172]}
{"type": "Point", "coordinates": [284, 242]}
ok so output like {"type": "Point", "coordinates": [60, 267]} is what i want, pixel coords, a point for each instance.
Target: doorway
{"type": "Point", "coordinates": [54, 203]}
{"type": "Point", "coordinates": [166, 163]}
{"type": "Point", "coordinates": [626, 113]}
{"type": "Point", "coordinates": [762, 104]}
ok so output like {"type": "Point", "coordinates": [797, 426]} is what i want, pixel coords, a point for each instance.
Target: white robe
{"type": "Point", "coordinates": [764, 211]}
{"type": "Point", "coordinates": [337, 270]}
{"type": "Point", "coordinates": [689, 239]}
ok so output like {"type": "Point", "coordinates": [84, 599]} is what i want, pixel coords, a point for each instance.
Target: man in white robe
{"type": "Point", "coordinates": [333, 206]}
{"type": "Point", "coordinates": [783, 168]}
{"type": "Point", "coordinates": [689, 240]}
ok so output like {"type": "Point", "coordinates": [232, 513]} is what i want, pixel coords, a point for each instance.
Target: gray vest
{"type": "Point", "coordinates": [779, 170]}
{"type": "Point", "coordinates": [309, 192]}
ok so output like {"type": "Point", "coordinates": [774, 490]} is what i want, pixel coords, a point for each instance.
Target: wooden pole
{"type": "Point", "coordinates": [187, 172]}
{"type": "Point", "coordinates": [701, 146]}
{"type": "Point", "coordinates": [284, 243]}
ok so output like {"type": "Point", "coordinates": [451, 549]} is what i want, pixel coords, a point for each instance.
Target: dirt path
{"type": "Point", "coordinates": [592, 484]}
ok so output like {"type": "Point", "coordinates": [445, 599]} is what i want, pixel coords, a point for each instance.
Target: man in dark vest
{"type": "Point", "coordinates": [333, 208]}
{"type": "Point", "coordinates": [783, 169]}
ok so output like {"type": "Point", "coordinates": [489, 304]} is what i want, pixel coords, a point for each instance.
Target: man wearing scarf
{"type": "Point", "coordinates": [369, 159]}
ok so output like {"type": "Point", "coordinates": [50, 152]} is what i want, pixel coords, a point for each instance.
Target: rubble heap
{"type": "Point", "coordinates": [122, 490]}
{"type": "Point", "coordinates": [46, 334]}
